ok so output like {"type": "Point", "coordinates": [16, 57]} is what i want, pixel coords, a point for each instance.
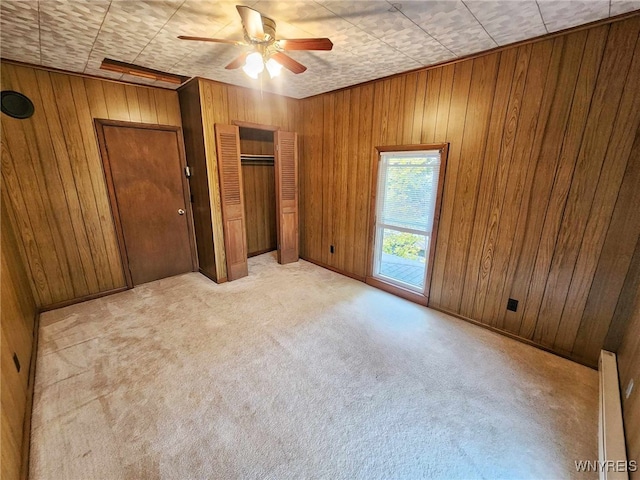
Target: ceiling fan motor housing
{"type": "Point", "coordinates": [269, 27]}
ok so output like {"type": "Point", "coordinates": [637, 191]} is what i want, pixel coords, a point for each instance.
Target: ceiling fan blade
{"type": "Point", "coordinates": [238, 61]}
{"type": "Point", "coordinates": [214, 40]}
{"type": "Point", "coordinates": [289, 63]}
{"type": "Point", "coordinates": [251, 21]}
{"type": "Point", "coordinates": [306, 44]}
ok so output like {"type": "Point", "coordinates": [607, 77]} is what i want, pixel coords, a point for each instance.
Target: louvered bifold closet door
{"type": "Point", "coordinates": [232, 200]}
{"type": "Point", "coordinates": [286, 169]}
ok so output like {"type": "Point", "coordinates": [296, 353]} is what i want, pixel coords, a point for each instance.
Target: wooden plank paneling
{"type": "Point", "coordinates": [497, 192]}
{"type": "Point", "coordinates": [480, 104]}
{"type": "Point", "coordinates": [341, 166]}
{"type": "Point", "coordinates": [108, 251]}
{"type": "Point", "coordinates": [629, 359]}
{"type": "Point", "coordinates": [604, 105]}
{"type": "Point", "coordinates": [352, 180]}
{"type": "Point", "coordinates": [613, 264]}
{"type": "Point", "coordinates": [198, 182]}
{"type": "Point", "coordinates": [609, 193]}
{"type": "Point", "coordinates": [562, 181]}
{"type": "Point", "coordinates": [212, 94]}
{"type": "Point", "coordinates": [18, 323]}
{"type": "Point", "coordinates": [454, 135]}
{"type": "Point", "coordinates": [259, 192]}
{"type": "Point", "coordinates": [326, 162]}
{"type": "Point", "coordinates": [430, 107]}
{"type": "Point", "coordinates": [52, 172]}
{"type": "Point", "coordinates": [475, 268]}
{"type": "Point", "coordinates": [576, 52]}
{"type": "Point", "coordinates": [518, 178]}
{"type": "Point", "coordinates": [260, 208]}
{"type": "Point", "coordinates": [565, 57]}
{"type": "Point", "coordinates": [311, 179]}
{"type": "Point", "coordinates": [362, 159]}
{"type": "Point", "coordinates": [540, 135]}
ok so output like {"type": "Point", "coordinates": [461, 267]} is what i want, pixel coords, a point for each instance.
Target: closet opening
{"type": "Point", "coordinates": [247, 200]}
{"type": "Point", "coordinates": [257, 162]}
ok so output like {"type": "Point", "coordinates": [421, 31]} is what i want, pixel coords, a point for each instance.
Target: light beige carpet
{"type": "Point", "coordinates": [297, 372]}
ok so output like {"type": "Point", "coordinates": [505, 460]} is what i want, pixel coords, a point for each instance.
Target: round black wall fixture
{"type": "Point", "coordinates": [16, 105]}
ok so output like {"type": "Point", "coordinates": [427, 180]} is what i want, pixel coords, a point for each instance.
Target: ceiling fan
{"type": "Point", "coordinates": [268, 51]}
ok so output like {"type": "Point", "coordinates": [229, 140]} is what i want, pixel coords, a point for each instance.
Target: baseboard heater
{"type": "Point", "coordinates": [611, 441]}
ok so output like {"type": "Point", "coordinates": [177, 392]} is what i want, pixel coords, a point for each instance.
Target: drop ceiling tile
{"type": "Point", "coordinates": [206, 16]}
{"type": "Point", "coordinates": [68, 31]}
{"type": "Point", "coordinates": [623, 6]}
{"type": "Point", "coordinates": [384, 22]}
{"type": "Point", "coordinates": [20, 36]}
{"type": "Point", "coordinates": [508, 21]}
{"type": "Point", "coordinates": [308, 16]}
{"type": "Point", "coordinates": [558, 15]}
{"type": "Point", "coordinates": [129, 26]}
{"type": "Point", "coordinates": [450, 23]}
{"type": "Point", "coordinates": [418, 46]}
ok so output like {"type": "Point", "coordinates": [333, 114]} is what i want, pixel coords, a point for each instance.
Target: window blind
{"type": "Point", "coordinates": [409, 182]}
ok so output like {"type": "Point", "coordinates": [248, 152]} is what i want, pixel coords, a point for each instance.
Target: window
{"type": "Point", "coordinates": [407, 193]}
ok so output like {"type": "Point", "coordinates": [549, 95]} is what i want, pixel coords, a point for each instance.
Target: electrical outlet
{"type": "Point", "coordinates": [627, 392]}
{"type": "Point", "coordinates": [512, 305]}
{"type": "Point", "coordinates": [332, 249]}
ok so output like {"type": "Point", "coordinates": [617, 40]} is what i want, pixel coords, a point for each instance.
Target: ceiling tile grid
{"type": "Point", "coordinates": [372, 39]}
{"type": "Point", "coordinates": [452, 24]}
{"type": "Point", "coordinates": [128, 27]}
{"type": "Point", "coordinates": [508, 21]}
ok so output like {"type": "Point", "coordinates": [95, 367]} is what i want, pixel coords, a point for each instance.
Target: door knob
{"type": "Point", "coordinates": [180, 211]}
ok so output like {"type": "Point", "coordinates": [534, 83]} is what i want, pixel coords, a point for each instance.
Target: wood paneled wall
{"type": "Point", "coordinates": [260, 208]}
{"type": "Point", "coordinates": [190, 108]}
{"type": "Point", "coordinates": [18, 323]}
{"type": "Point", "coordinates": [256, 142]}
{"type": "Point", "coordinates": [224, 104]}
{"type": "Point", "coordinates": [259, 192]}
{"type": "Point", "coordinates": [52, 173]}
{"type": "Point", "coordinates": [540, 141]}
{"type": "Point", "coordinates": [629, 357]}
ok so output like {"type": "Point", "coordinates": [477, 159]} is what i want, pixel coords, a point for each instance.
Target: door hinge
{"type": "Point", "coordinates": [187, 172]}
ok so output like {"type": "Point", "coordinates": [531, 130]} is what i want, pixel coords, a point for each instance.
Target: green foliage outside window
{"type": "Point", "coordinates": [401, 244]}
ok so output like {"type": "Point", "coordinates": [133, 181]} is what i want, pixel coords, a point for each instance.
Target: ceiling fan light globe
{"type": "Point", "coordinates": [252, 72]}
{"type": "Point", "coordinates": [273, 67]}
{"type": "Point", "coordinates": [254, 60]}
{"type": "Point", "coordinates": [254, 65]}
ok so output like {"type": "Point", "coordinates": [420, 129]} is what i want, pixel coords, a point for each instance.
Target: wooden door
{"type": "Point", "coordinates": [232, 200]}
{"type": "Point", "coordinates": [286, 170]}
{"type": "Point", "coordinates": [144, 167]}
